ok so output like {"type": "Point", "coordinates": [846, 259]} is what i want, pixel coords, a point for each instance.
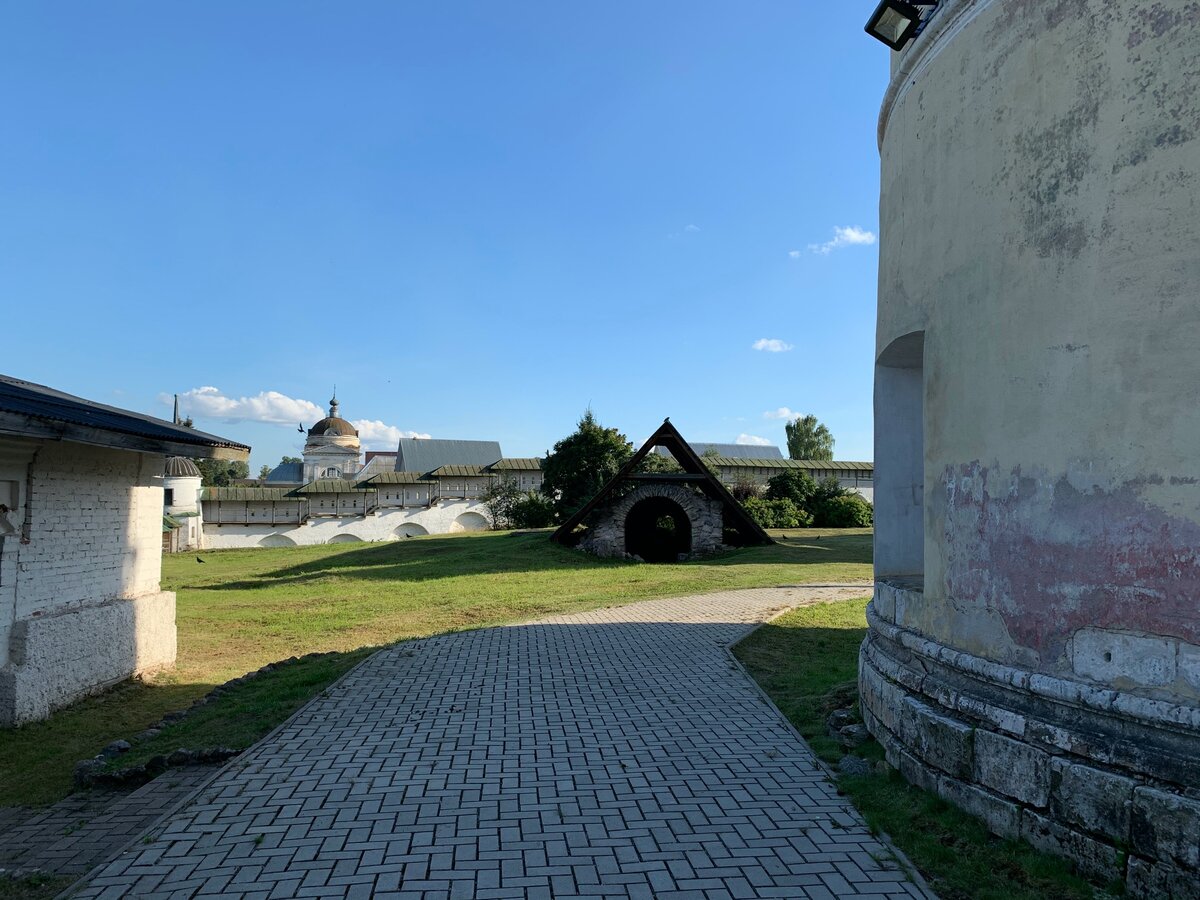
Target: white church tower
{"type": "Point", "coordinates": [332, 449]}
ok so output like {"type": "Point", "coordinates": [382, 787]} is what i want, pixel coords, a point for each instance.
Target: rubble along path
{"type": "Point", "coordinates": [615, 753]}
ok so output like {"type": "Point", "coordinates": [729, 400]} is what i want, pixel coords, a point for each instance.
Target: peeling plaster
{"type": "Point", "coordinates": [1052, 557]}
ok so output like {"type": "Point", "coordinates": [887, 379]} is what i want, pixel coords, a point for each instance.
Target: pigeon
{"type": "Point", "coordinates": [199, 560]}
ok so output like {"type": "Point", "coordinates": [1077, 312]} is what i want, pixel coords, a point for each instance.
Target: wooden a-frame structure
{"type": "Point", "coordinates": [694, 473]}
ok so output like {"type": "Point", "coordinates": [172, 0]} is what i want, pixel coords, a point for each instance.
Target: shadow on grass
{"type": "Point", "coordinates": [423, 559]}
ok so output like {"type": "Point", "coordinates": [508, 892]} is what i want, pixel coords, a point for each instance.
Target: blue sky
{"type": "Point", "coordinates": [476, 218]}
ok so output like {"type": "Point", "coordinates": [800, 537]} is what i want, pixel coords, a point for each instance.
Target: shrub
{"type": "Point", "coordinates": [745, 489]}
{"type": "Point", "coordinates": [532, 510]}
{"type": "Point", "coordinates": [776, 513]}
{"type": "Point", "coordinates": [795, 485]}
{"type": "Point", "coordinates": [847, 511]}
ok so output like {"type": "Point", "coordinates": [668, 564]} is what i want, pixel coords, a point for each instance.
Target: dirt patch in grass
{"type": "Point", "coordinates": [807, 661]}
{"type": "Point", "coordinates": [243, 609]}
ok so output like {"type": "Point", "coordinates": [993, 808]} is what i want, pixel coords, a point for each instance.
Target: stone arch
{"type": "Point", "coordinates": [345, 539]}
{"type": "Point", "coordinates": [607, 534]}
{"type": "Point", "coordinates": [658, 529]}
{"type": "Point", "coordinates": [900, 457]}
{"type": "Point", "coordinates": [277, 540]}
{"type": "Point", "coordinates": [408, 530]}
{"type": "Point", "coordinates": [471, 521]}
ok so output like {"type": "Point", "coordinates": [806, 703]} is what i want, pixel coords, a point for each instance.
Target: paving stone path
{"type": "Point", "coordinates": [89, 827]}
{"type": "Point", "coordinates": [615, 753]}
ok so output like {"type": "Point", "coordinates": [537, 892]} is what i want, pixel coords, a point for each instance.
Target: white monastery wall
{"type": "Point", "coordinates": [80, 605]}
{"type": "Point", "coordinates": [383, 525]}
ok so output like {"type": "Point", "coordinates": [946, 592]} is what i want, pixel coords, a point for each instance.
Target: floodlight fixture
{"type": "Point", "coordinates": [896, 22]}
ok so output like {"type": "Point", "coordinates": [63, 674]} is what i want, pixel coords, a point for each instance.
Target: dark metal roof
{"type": "Point", "coordinates": [35, 410]}
{"type": "Point", "coordinates": [821, 465]}
{"type": "Point", "coordinates": [461, 472]}
{"type": "Point", "coordinates": [734, 451]}
{"type": "Point", "coordinates": [427, 454]}
{"type": "Point", "coordinates": [332, 486]}
{"type": "Point", "coordinates": [376, 465]}
{"type": "Point", "coordinates": [288, 473]}
{"type": "Point", "coordinates": [181, 467]}
{"type": "Point", "coordinates": [333, 425]}
{"type": "Point", "coordinates": [245, 494]}
{"type": "Point", "coordinates": [397, 478]}
{"type": "Point", "coordinates": [519, 464]}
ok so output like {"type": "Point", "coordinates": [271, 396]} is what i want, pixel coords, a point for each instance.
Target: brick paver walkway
{"type": "Point", "coordinates": [616, 753]}
{"type": "Point", "coordinates": [89, 827]}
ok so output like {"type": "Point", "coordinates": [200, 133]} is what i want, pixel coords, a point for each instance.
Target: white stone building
{"type": "Point", "coordinates": [182, 521]}
{"type": "Point", "coordinates": [426, 487]}
{"type": "Point", "coordinates": [81, 517]}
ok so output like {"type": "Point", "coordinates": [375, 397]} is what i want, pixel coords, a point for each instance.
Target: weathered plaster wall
{"type": "Point", "coordinates": [1041, 191]}
{"type": "Point", "coordinates": [80, 606]}
{"type": "Point", "coordinates": [1039, 225]}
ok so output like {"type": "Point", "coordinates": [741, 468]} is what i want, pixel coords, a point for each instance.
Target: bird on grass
{"type": "Point", "coordinates": [199, 560]}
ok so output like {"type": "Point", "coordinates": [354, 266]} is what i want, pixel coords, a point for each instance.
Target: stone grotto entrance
{"type": "Point", "coordinates": [658, 530]}
{"type": "Point", "coordinates": [661, 514]}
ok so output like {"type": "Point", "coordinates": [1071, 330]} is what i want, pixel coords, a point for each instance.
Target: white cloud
{"type": "Point", "coordinates": [795, 254]}
{"type": "Point", "coordinates": [753, 440]}
{"type": "Point", "coordinates": [692, 228]}
{"type": "Point", "coordinates": [377, 435]}
{"type": "Point", "coordinates": [275, 408]}
{"type": "Point", "coordinates": [266, 406]}
{"type": "Point", "coordinates": [782, 413]}
{"type": "Point", "coordinates": [842, 237]}
{"type": "Point", "coordinates": [771, 345]}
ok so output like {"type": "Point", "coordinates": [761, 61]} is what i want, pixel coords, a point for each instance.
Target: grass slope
{"type": "Point", "coordinates": [807, 662]}
{"type": "Point", "coordinates": [243, 609]}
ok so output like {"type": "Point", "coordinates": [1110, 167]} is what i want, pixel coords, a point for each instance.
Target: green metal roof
{"type": "Point", "coordinates": [518, 463]}
{"type": "Point", "coordinates": [461, 472]}
{"type": "Point", "coordinates": [824, 465]}
{"type": "Point", "coordinates": [397, 478]}
{"type": "Point", "coordinates": [248, 493]}
{"type": "Point", "coordinates": [332, 486]}
{"type": "Point", "coordinates": [170, 523]}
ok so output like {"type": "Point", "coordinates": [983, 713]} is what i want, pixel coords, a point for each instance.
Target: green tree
{"type": "Point", "coordinates": [264, 472]}
{"type": "Point", "coordinates": [808, 439]}
{"type": "Point", "coordinates": [222, 472]}
{"type": "Point", "coordinates": [795, 485]}
{"type": "Point", "coordinates": [658, 463]}
{"type": "Point", "coordinates": [290, 459]}
{"type": "Point", "coordinates": [582, 463]}
{"type": "Point", "coordinates": [500, 496]}
{"type": "Point", "coordinates": [849, 511]}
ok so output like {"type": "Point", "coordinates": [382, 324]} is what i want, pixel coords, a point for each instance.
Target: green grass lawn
{"type": "Point", "coordinates": [807, 662]}
{"type": "Point", "coordinates": [242, 609]}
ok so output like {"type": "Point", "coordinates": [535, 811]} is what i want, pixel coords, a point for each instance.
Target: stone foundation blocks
{"type": "Point", "coordinates": [1012, 768]}
{"type": "Point", "coordinates": [940, 740]}
{"type": "Point", "coordinates": [1092, 799]}
{"type": "Point", "coordinates": [1166, 827]}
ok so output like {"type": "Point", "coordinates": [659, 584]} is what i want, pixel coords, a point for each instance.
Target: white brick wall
{"type": "Point", "coordinates": [80, 606]}
{"type": "Point", "coordinates": [95, 520]}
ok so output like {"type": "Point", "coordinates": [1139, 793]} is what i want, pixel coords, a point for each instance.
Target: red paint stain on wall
{"type": "Point", "coordinates": [1051, 558]}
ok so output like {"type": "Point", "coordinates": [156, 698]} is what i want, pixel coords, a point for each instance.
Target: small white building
{"type": "Point", "coordinates": [183, 524]}
{"type": "Point", "coordinates": [81, 518]}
